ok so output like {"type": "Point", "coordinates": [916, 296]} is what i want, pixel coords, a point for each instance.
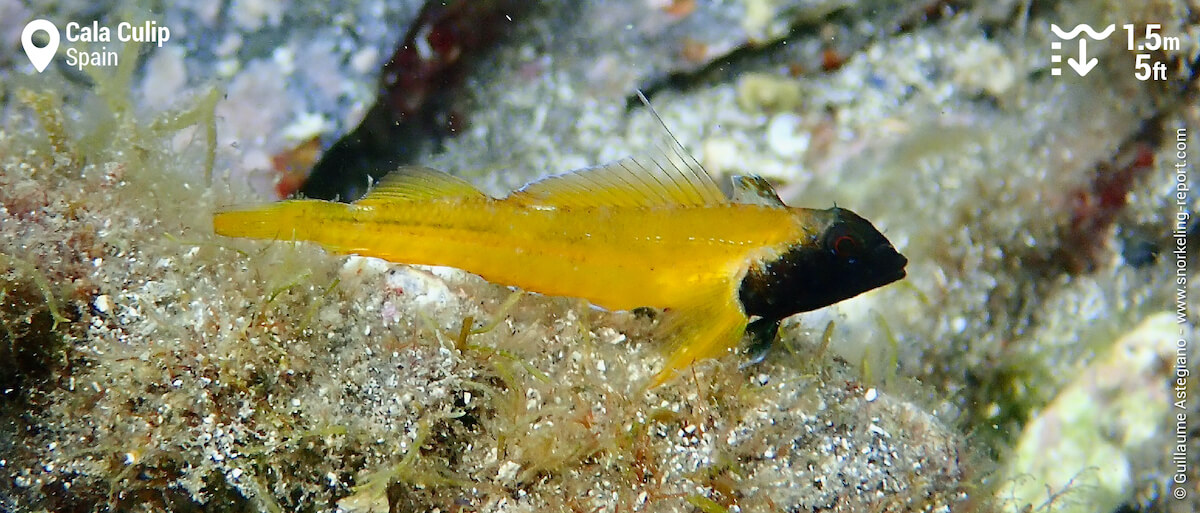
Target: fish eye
{"type": "Point", "coordinates": [842, 242]}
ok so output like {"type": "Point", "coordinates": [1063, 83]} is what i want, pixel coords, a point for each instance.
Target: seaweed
{"type": "Point", "coordinates": [31, 340]}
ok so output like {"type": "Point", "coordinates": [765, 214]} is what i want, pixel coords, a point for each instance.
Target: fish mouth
{"type": "Point", "coordinates": [897, 262]}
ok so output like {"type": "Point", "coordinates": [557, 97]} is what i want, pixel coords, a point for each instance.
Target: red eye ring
{"type": "Point", "coordinates": [843, 250]}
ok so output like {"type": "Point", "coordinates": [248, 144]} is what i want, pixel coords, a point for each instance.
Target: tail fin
{"type": "Point", "coordinates": [281, 221]}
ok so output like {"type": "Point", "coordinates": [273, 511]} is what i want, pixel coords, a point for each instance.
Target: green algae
{"type": "Point", "coordinates": [1066, 458]}
{"type": "Point", "coordinates": [43, 286]}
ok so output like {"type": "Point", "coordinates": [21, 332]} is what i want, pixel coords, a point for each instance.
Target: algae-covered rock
{"type": "Point", "coordinates": [272, 376]}
{"type": "Point", "coordinates": [1082, 452]}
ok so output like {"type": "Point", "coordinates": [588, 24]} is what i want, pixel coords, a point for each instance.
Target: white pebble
{"type": "Point", "coordinates": [508, 471]}
{"type": "Point", "coordinates": [721, 155]}
{"type": "Point", "coordinates": [785, 136]}
{"type": "Point", "coordinates": [103, 303]}
{"type": "Point", "coordinates": [958, 324]}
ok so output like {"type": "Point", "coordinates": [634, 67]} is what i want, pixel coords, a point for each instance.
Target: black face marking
{"type": "Point", "coordinates": [850, 257]}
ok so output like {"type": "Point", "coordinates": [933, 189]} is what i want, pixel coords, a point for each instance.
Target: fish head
{"type": "Point", "coordinates": [844, 256]}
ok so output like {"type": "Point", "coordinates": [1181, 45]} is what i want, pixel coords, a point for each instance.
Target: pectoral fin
{"type": "Point", "coordinates": [699, 332]}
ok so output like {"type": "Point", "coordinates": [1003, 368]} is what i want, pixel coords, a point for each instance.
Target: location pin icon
{"type": "Point", "coordinates": [40, 57]}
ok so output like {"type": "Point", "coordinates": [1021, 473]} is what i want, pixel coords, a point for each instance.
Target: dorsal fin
{"type": "Point", "coordinates": [629, 182]}
{"type": "Point", "coordinates": [665, 176]}
{"type": "Point", "coordinates": [755, 190]}
{"type": "Point", "coordinates": [413, 183]}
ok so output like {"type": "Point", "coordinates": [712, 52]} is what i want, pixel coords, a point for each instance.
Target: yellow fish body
{"type": "Point", "coordinates": [635, 233]}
